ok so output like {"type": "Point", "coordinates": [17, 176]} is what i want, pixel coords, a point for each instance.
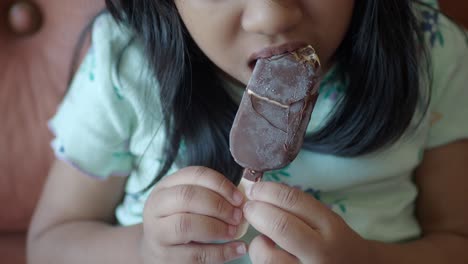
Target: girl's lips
{"type": "Point", "coordinates": [274, 50]}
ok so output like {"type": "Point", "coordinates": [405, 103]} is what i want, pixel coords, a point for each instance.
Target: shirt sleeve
{"type": "Point", "coordinates": [93, 124]}
{"type": "Point", "coordinates": [449, 103]}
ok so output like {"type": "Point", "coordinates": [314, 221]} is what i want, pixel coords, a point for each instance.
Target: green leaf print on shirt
{"type": "Point", "coordinates": [88, 65]}
{"type": "Point", "coordinates": [328, 79]}
{"type": "Point", "coordinates": [333, 92]}
{"type": "Point", "coordinates": [338, 203]}
{"type": "Point", "coordinates": [332, 87]}
{"type": "Point", "coordinates": [433, 3]}
{"type": "Point", "coordinates": [92, 65]}
{"type": "Point", "coordinates": [123, 151]}
{"type": "Point", "coordinates": [118, 93]}
{"type": "Point", "coordinates": [277, 174]}
{"type": "Point", "coordinates": [430, 26]}
{"type": "Point", "coordinates": [122, 154]}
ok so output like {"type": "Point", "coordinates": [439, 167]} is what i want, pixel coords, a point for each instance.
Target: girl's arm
{"type": "Point", "coordinates": [73, 221]}
{"type": "Point", "coordinates": [442, 210]}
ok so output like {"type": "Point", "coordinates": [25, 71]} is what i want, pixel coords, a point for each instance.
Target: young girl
{"type": "Point", "coordinates": [381, 177]}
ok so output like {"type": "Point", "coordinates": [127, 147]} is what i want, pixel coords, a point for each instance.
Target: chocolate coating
{"type": "Point", "coordinates": [270, 125]}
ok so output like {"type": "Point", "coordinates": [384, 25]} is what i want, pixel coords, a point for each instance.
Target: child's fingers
{"type": "Point", "coordinates": [197, 200]}
{"type": "Point", "coordinates": [264, 250]}
{"type": "Point", "coordinates": [185, 228]}
{"type": "Point", "coordinates": [284, 228]}
{"type": "Point", "coordinates": [205, 177]}
{"type": "Point", "coordinates": [205, 253]}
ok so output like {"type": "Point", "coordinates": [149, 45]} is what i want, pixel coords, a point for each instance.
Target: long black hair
{"type": "Point", "coordinates": [382, 55]}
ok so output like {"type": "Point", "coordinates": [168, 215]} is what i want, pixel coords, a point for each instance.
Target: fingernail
{"type": "Point", "coordinates": [247, 206]}
{"type": "Point", "coordinates": [237, 197]}
{"type": "Point", "coordinates": [237, 215]}
{"type": "Point", "coordinates": [241, 249]}
{"type": "Point", "coordinates": [249, 191]}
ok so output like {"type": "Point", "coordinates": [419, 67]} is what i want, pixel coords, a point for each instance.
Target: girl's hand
{"type": "Point", "coordinates": [186, 212]}
{"type": "Point", "coordinates": [305, 230]}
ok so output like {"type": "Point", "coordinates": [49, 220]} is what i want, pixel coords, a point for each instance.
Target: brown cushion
{"type": "Point", "coordinates": [456, 9]}
{"type": "Point", "coordinates": [33, 72]}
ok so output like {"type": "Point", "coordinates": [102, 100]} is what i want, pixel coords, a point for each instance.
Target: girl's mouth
{"type": "Point", "coordinates": [274, 50]}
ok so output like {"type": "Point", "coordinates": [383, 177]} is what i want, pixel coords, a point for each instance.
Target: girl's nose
{"type": "Point", "coordinates": [271, 17]}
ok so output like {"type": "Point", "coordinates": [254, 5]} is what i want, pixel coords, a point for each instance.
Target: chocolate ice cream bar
{"type": "Point", "coordinates": [269, 127]}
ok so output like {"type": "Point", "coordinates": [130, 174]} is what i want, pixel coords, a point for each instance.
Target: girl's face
{"type": "Point", "coordinates": [233, 33]}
